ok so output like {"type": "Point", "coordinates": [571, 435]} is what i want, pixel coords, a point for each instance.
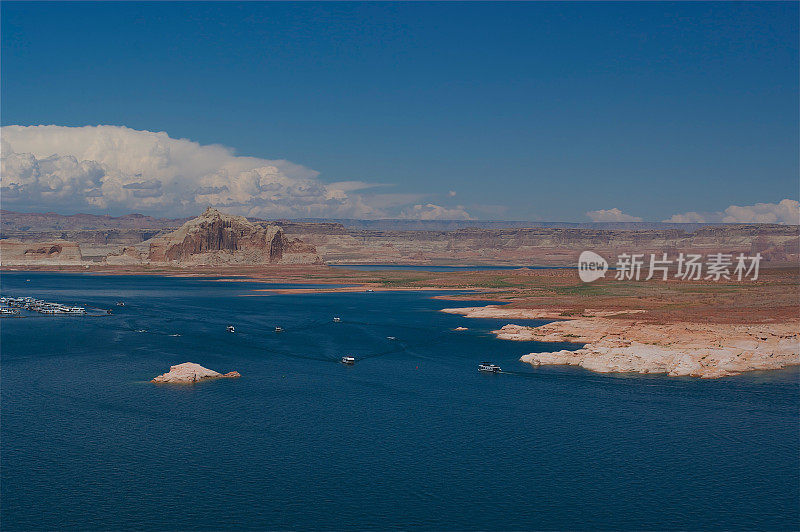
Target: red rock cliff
{"type": "Point", "coordinates": [215, 237]}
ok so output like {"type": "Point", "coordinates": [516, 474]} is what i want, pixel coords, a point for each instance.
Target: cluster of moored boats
{"type": "Point", "coordinates": [12, 305]}
{"type": "Point", "coordinates": [485, 367]}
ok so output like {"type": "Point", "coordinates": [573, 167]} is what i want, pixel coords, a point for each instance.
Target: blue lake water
{"type": "Point", "coordinates": [412, 436]}
{"type": "Point", "coordinates": [428, 268]}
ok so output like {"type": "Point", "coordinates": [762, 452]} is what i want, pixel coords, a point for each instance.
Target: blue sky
{"type": "Point", "coordinates": [523, 110]}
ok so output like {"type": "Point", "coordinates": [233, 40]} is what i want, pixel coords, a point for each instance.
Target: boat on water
{"type": "Point", "coordinates": [347, 359]}
{"type": "Point", "coordinates": [120, 303]}
{"type": "Point", "coordinates": [278, 329]}
{"type": "Point", "coordinates": [488, 367]}
{"type": "Point", "coordinates": [337, 319]}
{"type": "Point", "coordinates": [230, 329]}
{"type": "Point", "coordinates": [391, 338]}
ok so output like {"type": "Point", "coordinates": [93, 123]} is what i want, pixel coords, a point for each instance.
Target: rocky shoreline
{"type": "Point", "coordinates": [625, 344]}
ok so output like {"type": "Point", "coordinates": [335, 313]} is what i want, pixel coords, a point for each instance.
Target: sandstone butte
{"type": "Point", "coordinates": [218, 238]}
{"type": "Point", "coordinates": [190, 373]}
{"type": "Point", "coordinates": [624, 344]}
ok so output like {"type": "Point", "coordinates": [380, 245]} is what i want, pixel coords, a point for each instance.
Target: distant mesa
{"type": "Point", "coordinates": [190, 373]}
{"type": "Point", "coordinates": [217, 238]}
{"type": "Point", "coordinates": [60, 252]}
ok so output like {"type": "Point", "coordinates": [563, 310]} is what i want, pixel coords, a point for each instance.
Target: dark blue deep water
{"type": "Point", "coordinates": [412, 436]}
{"type": "Point", "coordinates": [427, 268]}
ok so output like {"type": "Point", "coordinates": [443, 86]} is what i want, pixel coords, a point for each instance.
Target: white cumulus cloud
{"type": "Point", "coordinates": [786, 211]}
{"type": "Point", "coordinates": [118, 169]}
{"type": "Point", "coordinates": [687, 217]}
{"type": "Point", "coordinates": [431, 211]}
{"type": "Point", "coordinates": [611, 215]}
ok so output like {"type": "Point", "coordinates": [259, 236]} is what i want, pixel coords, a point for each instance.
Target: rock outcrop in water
{"type": "Point", "coordinates": [190, 373]}
{"type": "Point", "coordinates": [217, 238]}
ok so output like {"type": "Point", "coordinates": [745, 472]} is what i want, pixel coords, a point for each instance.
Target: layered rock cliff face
{"type": "Point", "coordinates": [380, 241]}
{"type": "Point", "coordinates": [127, 256]}
{"type": "Point", "coordinates": [15, 253]}
{"type": "Point", "coordinates": [218, 238]}
{"type": "Point", "coordinates": [545, 246]}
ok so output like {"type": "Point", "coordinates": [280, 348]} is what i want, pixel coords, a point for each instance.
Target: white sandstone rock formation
{"type": "Point", "coordinates": [189, 373]}
{"type": "Point", "coordinates": [677, 349]}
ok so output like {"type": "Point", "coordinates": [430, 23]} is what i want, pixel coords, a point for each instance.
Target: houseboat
{"type": "Point", "coordinates": [487, 367]}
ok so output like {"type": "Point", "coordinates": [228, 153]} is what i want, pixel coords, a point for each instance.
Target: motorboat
{"type": "Point", "coordinates": [347, 359]}
{"type": "Point", "coordinates": [278, 329]}
{"type": "Point", "coordinates": [337, 319]}
{"type": "Point", "coordinates": [488, 367]}
{"type": "Point", "coordinates": [230, 329]}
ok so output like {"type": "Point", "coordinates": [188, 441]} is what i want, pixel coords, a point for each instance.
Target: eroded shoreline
{"type": "Point", "coordinates": [622, 344]}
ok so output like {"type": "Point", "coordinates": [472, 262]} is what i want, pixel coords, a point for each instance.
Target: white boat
{"type": "Point", "coordinates": [487, 367]}
{"type": "Point", "coordinates": [391, 338]}
{"type": "Point", "coordinates": [347, 359]}
{"type": "Point", "coordinates": [230, 329]}
{"type": "Point", "coordinates": [337, 319]}
{"type": "Point", "coordinates": [278, 329]}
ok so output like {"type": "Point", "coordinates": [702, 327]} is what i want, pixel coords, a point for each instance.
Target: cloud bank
{"type": "Point", "coordinates": [786, 211]}
{"type": "Point", "coordinates": [434, 212]}
{"type": "Point", "coordinates": [611, 215]}
{"type": "Point", "coordinates": [120, 170]}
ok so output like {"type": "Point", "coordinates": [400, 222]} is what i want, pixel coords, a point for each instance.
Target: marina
{"type": "Point", "coordinates": [26, 306]}
{"type": "Point", "coordinates": [40, 306]}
